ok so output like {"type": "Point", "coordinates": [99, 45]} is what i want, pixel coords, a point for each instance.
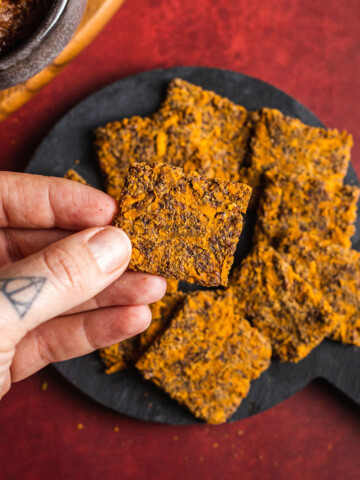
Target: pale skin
{"type": "Point", "coordinates": [64, 285]}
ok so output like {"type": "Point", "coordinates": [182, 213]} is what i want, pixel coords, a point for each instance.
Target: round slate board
{"type": "Point", "coordinates": [126, 392]}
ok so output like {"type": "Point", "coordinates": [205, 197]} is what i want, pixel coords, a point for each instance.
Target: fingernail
{"type": "Point", "coordinates": [111, 249]}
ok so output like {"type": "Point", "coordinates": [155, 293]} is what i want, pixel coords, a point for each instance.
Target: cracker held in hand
{"type": "Point", "coordinates": [289, 146]}
{"type": "Point", "coordinates": [281, 304]}
{"type": "Point", "coordinates": [335, 272]}
{"type": "Point", "coordinates": [124, 354]}
{"type": "Point", "coordinates": [323, 209]}
{"type": "Point", "coordinates": [207, 357]}
{"type": "Point", "coordinates": [181, 226]}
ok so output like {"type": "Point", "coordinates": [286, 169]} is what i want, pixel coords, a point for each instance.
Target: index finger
{"type": "Point", "coordinates": [34, 201]}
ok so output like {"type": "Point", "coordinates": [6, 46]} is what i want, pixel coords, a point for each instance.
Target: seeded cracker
{"type": "Point", "coordinates": [300, 204]}
{"type": "Point", "coordinates": [207, 357]}
{"type": "Point", "coordinates": [181, 226]}
{"type": "Point", "coordinates": [125, 354]}
{"type": "Point", "coordinates": [335, 272]}
{"type": "Point", "coordinates": [289, 146]}
{"type": "Point", "coordinates": [278, 302]}
{"type": "Point", "coordinates": [218, 127]}
{"type": "Point", "coordinates": [194, 129]}
{"type": "Point", "coordinates": [120, 143]}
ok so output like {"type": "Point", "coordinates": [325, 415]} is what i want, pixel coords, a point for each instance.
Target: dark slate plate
{"type": "Point", "coordinates": [71, 139]}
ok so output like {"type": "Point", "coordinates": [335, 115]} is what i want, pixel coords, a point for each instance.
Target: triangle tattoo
{"type": "Point", "coordinates": [21, 292]}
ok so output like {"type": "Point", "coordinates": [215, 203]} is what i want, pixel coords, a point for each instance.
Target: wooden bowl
{"type": "Point", "coordinates": [43, 45]}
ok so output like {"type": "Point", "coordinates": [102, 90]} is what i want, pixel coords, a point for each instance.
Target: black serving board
{"type": "Point", "coordinates": [71, 139]}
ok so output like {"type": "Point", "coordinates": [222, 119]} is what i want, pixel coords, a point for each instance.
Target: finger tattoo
{"type": "Point", "coordinates": [21, 292]}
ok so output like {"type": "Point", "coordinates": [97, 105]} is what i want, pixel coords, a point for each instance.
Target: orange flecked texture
{"type": "Point", "coordinates": [125, 354]}
{"type": "Point", "coordinates": [289, 146]}
{"type": "Point", "coordinates": [335, 272]}
{"type": "Point", "coordinates": [181, 226]}
{"type": "Point", "coordinates": [213, 127]}
{"type": "Point", "coordinates": [118, 144]}
{"type": "Point", "coordinates": [207, 357]}
{"type": "Point", "coordinates": [194, 129]}
{"type": "Point", "coordinates": [76, 177]}
{"type": "Point", "coordinates": [323, 209]}
{"type": "Point", "coordinates": [278, 302]}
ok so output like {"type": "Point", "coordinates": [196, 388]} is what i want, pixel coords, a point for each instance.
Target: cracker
{"type": "Point", "coordinates": [289, 205]}
{"type": "Point", "coordinates": [218, 127]}
{"type": "Point", "coordinates": [288, 145]}
{"type": "Point", "coordinates": [76, 177]}
{"type": "Point", "coordinates": [120, 143]}
{"type": "Point", "coordinates": [207, 357]}
{"type": "Point", "coordinates": [335, 272]}
{"type": "Point", "coordinates": [181, 226]}
{"type": "Point", "coordinates": [278, 302]}
{"type": "Point", "coordinates": [114, 356]}
{"type": "Point", "coordinates": [124, 354]}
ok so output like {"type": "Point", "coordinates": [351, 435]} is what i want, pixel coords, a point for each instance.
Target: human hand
{"type": "Point", "coordinates": [64, 299]}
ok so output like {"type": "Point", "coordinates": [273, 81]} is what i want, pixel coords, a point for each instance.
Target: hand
{"type": "Point", "coordinates": [64, 299]}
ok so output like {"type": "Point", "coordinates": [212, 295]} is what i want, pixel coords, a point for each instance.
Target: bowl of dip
{"type": "Point", "coordinates": [32, 34]}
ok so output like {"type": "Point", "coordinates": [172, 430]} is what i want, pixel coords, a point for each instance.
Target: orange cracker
{"type": "Point", "coordinates": [207, 357]}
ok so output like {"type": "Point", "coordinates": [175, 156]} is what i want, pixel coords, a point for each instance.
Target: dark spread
{"type": "Point", "coordinates": [18, 19]}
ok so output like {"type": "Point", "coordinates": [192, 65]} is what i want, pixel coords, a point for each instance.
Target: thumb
{"type": "Point", "coordinates": [59, 278]}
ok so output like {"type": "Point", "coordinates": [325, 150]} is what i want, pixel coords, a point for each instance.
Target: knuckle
{"type": "Point", "coordinates": [88, 337]}
{"type": "Point", "coordinates": [5, 248]}
{"type": "Point", "coordinates": [45, 350]}
{"type": "Point", "coordinates": [7, 351]}
{"type": "Point", "coordinates": [64, 267]}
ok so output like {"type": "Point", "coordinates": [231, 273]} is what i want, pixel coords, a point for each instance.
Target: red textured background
{"type": "Point", "coordinates": [310, 50]}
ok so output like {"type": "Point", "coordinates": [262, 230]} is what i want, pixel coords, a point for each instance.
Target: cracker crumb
{"type": "Point", "coordinates": [116, 429]}
{"type": "Point", "coordinates": [44, 386]}
{"type": "Point", "coordinates": [80, 426]}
